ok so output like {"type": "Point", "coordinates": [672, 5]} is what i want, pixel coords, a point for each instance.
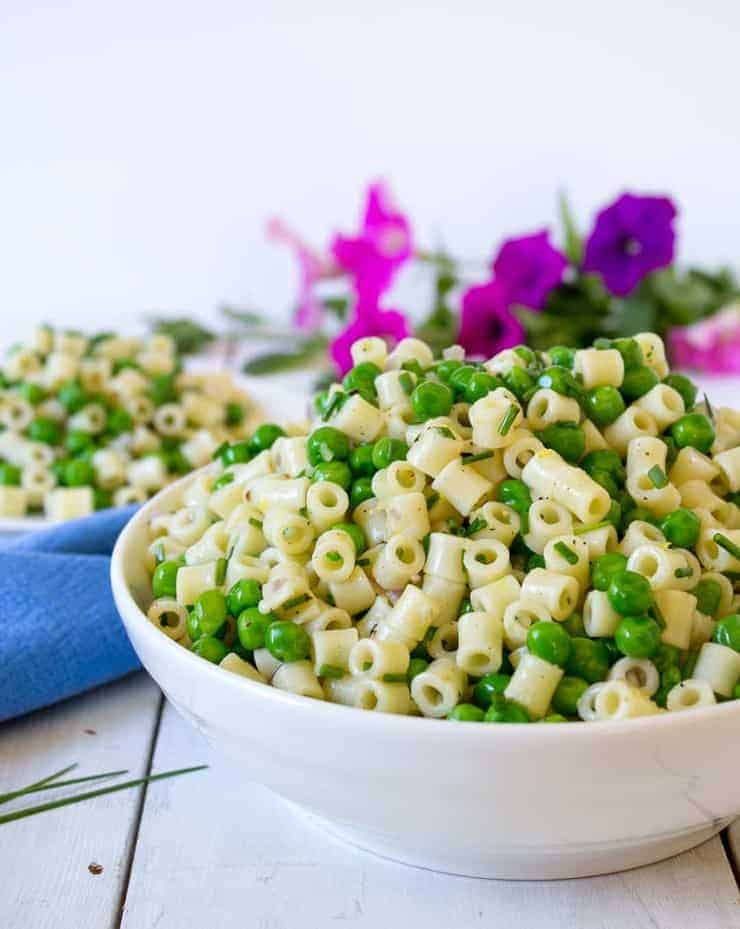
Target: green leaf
{"type": "Point", "coordinates": [189, 336]}
{"type": "Point", "coordinates": [273, 362]}
{"type": "Point", "coordinates": [573, 241]}
{"type": "Point", "coordinates": [246, 317]}
{"type": "Point", "coordinates": [339, 306]}
{"type": "Point", "coordinates": [633, 314]}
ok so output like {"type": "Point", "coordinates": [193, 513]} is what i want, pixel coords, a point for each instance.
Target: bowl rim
{"type": "Point", "coordinates": [130, 611]}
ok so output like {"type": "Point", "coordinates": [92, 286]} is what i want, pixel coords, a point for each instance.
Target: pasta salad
{"type": "Point", "coordinates": [89, 423]}
{"type": "Point", "coordinates": [539, 537]}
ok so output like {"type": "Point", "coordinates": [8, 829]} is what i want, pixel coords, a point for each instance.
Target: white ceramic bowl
{"type": "Point", "coordinates": [515, 801]}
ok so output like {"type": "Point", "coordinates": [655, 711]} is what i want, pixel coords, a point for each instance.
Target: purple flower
{"type": "Point", "coordinates": [381, 247]}
{"type": "Point", "coordinates": [309, 313]}
{"type": "Point", "coordinates": [487, 324]}
{"type": "Point", "coordinates": [369, 320]}
{"type": "Point", "coordinates": [632, 237]}
{"type": "Point", "coordinates": [711, 345]}
{"type": "Point", "coordinates": [529, 267]}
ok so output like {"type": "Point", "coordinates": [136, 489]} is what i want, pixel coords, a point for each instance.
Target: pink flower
{"type": "Point", "coordinates": [309, 313]}
{"type": "Point", "coordinates": [487, 324]}
{"type": "Point", "coordinates": [529, 267]}
{"type": "Point", "coordinates": [711, 345]}
{"type": "Point", "coordinates": [369, 320]}
{"type": "Point", "coordinates": [381, 247]}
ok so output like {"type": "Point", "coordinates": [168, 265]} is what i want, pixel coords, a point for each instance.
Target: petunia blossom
{"type": "Point", "coordinates": [369, 320]}
{"type": "Point", "coordinates": [487, 323]}
{"type": "Point", "coordinates": [631, 237]}
{"type": "Point", "coordinates": [309, 314]}
{"type": "Point", "coordinates": [711, 345]}
{"type": "Point", "coordinates": [529, 267]}
{"type": "Point", "coordinates": [380, 248]}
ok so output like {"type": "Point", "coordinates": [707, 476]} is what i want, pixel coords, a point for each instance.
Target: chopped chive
{"type": "Point", "coordinates": [330, 670]}
{"type": "Point", "coordinates": [658, 477]}
{"type": "Point", "coordinates": [657, 615]}
{"type": "Point", "coordinates": [330, 599]}
{"type": "Point", "coordinates": [335, 404]}
{"type": "Point", "coordinates": [429, 634]}
{"type": "Point", "coordinates": [363, 562]}
{"type": "Point", "coordinates": [326, 453]}
{"type": "Point", "coordinates": [255, 522]}
{"type": "Point", "coordinates": [432, 499]}
{"type": "Point", "coordinates": [406, 382]}
{"type": "Point", "coordinates": [581, 530]}
{"type": "Point", "coordinates": [508, 421]}
{"type": "Point", "coordinates": [445, 431]}
{"type": "Point", "coordinates": [567, 553]}
{"type": "Point", "coordinates": [35, 788]}
{"type": "Point", "coordinates": [68, 801]}
{"type": "Point", "coordinates": [710, 411]}
{"type": "Point", "coordinates": [366, 665]}
{"type": "Point", "coordinates": [296, 601]}
{"type": "Point", "coordinates": [476, 526]}
{"type": "Point", "coordinates": [683, 572]}
{"type": "Point", "coordinates": [220, 571]}
{"type": "Point", "coordinates": [37, 784]}
{"type": "Point", "coordinates": [727, 544]}
{"type": "Point", "coordinates": [334, 556]}
{"type": "Point", "coordinates": [481, 456]}
{"type": "Point", "coordinates": [394, 678]}
{"type": "Point", "coordinates": [303, 511]}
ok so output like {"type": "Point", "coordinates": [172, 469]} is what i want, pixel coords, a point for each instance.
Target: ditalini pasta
{"type": "Point", "coordinates": [524, 540]}
{"type": "Point", "coordinates": [88, 423]}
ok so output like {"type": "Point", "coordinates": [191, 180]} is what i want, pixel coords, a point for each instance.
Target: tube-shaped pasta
{"type": "Point", "coordinates": [719, 666]}
{"type": "Point", "coordinates": [557, 592]}
{"type": "Point", "coordinates": [496, 596]}
{"type": "Point", "coordinates": [547, 520]}
{"type": "Point", "coordinates": [372, 349]}
{"type": "Point", "coordinates": [410, 618]}
{"type": "Point", "coordinates": [436, 447]}
{"type": "Point", "coordinates": [690, 694]}
{"type": "Point", "coordinates": [599, 367]}
{"type": "Point", "coordinates": [398, 478]}
{"type": "Point", "coordinates": [692, 465]}
{"type": "Point", "coordinates": [631, 424]}
{"type": "Point", "coordinates": [447, 596]}
{"type": "Point", "coordinates": [600, 619]}
{"type": "Point", "coordinates": [640, 533]}
{"type": "Point", "coordinates": [333, 556]}
{"type": "Point", "coordinates": [410, 349]}
{"type": "Point", "coordinates": [523, 446]}
{"type": "Point", "coordinates": [653, 352]}
{"type": "Point", "coordinates": [353, 595]}
{"type": "Point", "coordinates": [170, 616]}
{"type": "Point", "coordinates": [401, 558]}
{"type": "Point", "coordinates": [462, 486]}
{"type": "Point", "coordinates": [485, 560]}
{"type": "Point", "coordinates": [444, 641]}
{"type": "Point", "coordinates": [479, 643]}
{"type": "Point", "coordinates": [438, 689]}
{"type": "Point", "coordinates": [657, 564]}
{"type": "Point", "coordinates": [518, 617]}
{"type": "Point", "coordinates": [288, 531]}
{"type": "Point", "coordinates": [499, 521]}
{"type": "Point", "coordinates": [569, 554]}
{"type": "Point", "coordinates": [533, 683]}
{"type": "Point", "coordinates": [663, 403]}
{"type": "Point", "coordinates": [619, 700]}
{"type": "Point", "coordinates": [445, 555]}
{"type": "Point", "coordinates": [494, 418]}
{"type": "Point", "coordinates": [677, 608]}
{"type": "Point", "coordinates": [407, 513]}
{"type": "Point", "coordinates": [333, 648]}
{"type": "Point", "coordinates": [550, 476]}
{"type": "Point", "coordinates": [376, 659]}
{"type": "Point", "coordinates": [360, 420]}
{"type": "Point", "coordinates": [298, 677]}
{"type": "Point", "coordinates": [326, 504]}
{"type": "Point", "coordinates": [637, 672]}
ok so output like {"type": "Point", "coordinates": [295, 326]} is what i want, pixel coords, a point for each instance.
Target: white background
{"type": "Point", "coordinates": [145, 143]}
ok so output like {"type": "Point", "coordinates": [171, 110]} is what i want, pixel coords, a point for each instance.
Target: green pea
{"type": "Point", "coordinates": [286, 641]}
{"type": "Point", "coordinates": [666, 656]}
{"type": "Point", "coordinates": [234, 414]}
{"type": "Point", "coordinates": [466, 713]}
{"type": "Point", "coordinates": [606, 480]}
{"type": "Point", "coordinates": [362, 377]}
{"type": "Point", "coordinates": [78, 442]}
{"type": "Point", "coordinates": [567, 439]}
{"type": "Point", "coordinates": [416, 666]}
{"type": "Point", "coordinates": [567, 694]}
{"type": "Point", "coordinates": [515, 493]}
{"type": "Point", "coordinates": [164, 579]}
{"type": "Point", "coordinates": [245, 593]}
{"type": "Point", "coordinates": [535, 561]}
{"type": "Point", "coordinates": [210, 648]}
{"type": "Point", "coordinates": [445, 369]}
{"type": "Point", "coordinates": [479, 385]}
{"type": "Point", "coordinates": [43, 429]}
{"type": "Point", "coordinates": [635, 512]}
{"type": "Point", "coordinates": [177, 463]}
{"type": "Point", "coordinates": [264, 437]}
{"type": "Point", "coordinates": [605, 459]}
{"type": "Point", "coordinates": [605, 567]}
{"type": "Point", "coordinates": [337, 472]}
{"type": "Point", "coordinates": [121, 364]}
{"type": "Point", "coordinates": [506, 711]}
{"type": "Point", "coordinates": [252, 626]}
{"type": "Point", "coordinates": [355, 533]}
{"type": "Point", "coordinates": [519, 381]}
{"type": "Point", "coordinates": [387, 450]}
{"type": "Point", "coordinates": [489, 687]}
{"type": "Point", "coordinates": [573, 625]}
{"type": "Point", "coordinates": [119, 422]}
{"type": "Point", "coordinates": [553, 718]}
{"type": "Point", "coordinates": [430, 399]}
{"type": "Point", "coordinates": [361, 461]}
{"type": "Point", "coordinates": [327, 444]}
{"type": "Point", "coordinates": [78, 473]}
{"type": "Point", "coordinates": [560, 380]}
{"type": "Point", "coordinates": [684, 386]}
{"type": "Point", "coordinates": [10, 476]}
{"type": "Point", "coordinates": [526, 353]}
{"type": "Point", "coordinates": [589, 659]}
{"type": "Point", "coordinates": [629, 593]}
{"type": "Point", "coordinates": [708, 595]}
{"type": "Point", "coordinates": [550, 642]}
{"type": "Point", "coordinates": [637, 382]}
{"type": "Point", "coordinates": [681, 528]}
{"type": "Point", "coordinates": [693, 430]}
{"type": "Point", "coordinates": [460, 377]}
{"type": "Point", "coordinates": [637, 636]}
{"type": "Point", "coordinates": [162, 389]}
{"type": "Point", "coordinates": [102, 499]}
{"type": "Point", "coordinates": [31, 393]}
{"type": "Point", "coordinates": [209, 610]}
{"type": "Point", "coordinates": [630, 351]}
{"type": "Point", "coordinates": [562, 356]}
{"type": "Point", "coordinates": [603, 405]}
{"type": "Point", "coordinates": [668, 680]}
{"type": "Point", "coordinates": [72, 396]}
{"type": "Point", "coordinates": [238, 453]}
{"type": "Point", "coordinates": [727, 632]}
{"type": "Point", "coordinates": [361, 490]}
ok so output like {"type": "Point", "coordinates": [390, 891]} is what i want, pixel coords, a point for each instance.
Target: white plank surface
{"type": "Point", "coordinates": [214, 850]}
{"type": "Point", "coordinates": [44, 859]}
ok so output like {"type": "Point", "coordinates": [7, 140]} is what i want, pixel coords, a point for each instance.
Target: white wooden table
{"type": "Point", "coordinates": [210, 849]}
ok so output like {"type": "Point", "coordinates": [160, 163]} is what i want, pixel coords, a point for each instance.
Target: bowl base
{"type": "Point", "coordinates": [520, 863]}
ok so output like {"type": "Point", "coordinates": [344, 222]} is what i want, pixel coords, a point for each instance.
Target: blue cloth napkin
{"type": "Point", "coordinates": [60, 633]}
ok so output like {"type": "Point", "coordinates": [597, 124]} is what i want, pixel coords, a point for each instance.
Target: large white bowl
{"type": "Point", "coordinates": [515, 801]}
